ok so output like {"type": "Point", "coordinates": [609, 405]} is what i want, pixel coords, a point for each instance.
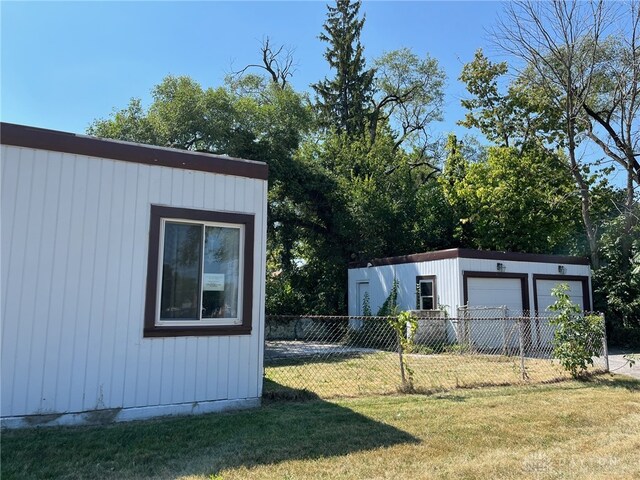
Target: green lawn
{"type": "Point", "coordinates": [563, 430]}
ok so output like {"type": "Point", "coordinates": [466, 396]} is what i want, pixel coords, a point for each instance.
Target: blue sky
{"type": "Point", "coordinates": [66, 64]}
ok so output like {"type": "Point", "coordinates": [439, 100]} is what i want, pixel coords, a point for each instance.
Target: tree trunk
{"type": "Point", "coordinates": [585, 194]}
{"type": "Point", "coordinates": [629, 219]}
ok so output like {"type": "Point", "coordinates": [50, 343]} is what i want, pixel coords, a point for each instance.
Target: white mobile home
{"type": "Point", "coordinates": [456, 278]}
{"type": "Point", "coordinates": [132, 279]}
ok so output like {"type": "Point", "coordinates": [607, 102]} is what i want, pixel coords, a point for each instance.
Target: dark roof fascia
{"type": "Point", "coordinates": [478, 254]}
{"type": "Point", "coordinates": [53, 140]}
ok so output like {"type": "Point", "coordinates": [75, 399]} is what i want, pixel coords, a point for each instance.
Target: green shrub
{"type": "Point", "coordinates": [390, 305]}
{"type": "Point", "coordinates": [366, 305]}
{"type": "Point", "coordinates": [578, 337]}
{"type": "Point", "coordinates": [405, 325]}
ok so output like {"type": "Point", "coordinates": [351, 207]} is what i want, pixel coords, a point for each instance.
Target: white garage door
{"type": "Point", "coordinates": [489, 332]}
{"type": "Point", "coordinates": [545, 298]}
{"type": "Point", "coordinates": [495, 292]}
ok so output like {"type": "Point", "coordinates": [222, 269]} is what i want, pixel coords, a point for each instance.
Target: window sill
{"type": "Point", "coordinates": [191, 331]}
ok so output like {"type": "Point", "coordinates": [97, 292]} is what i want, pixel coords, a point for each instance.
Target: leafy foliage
{"type": "Point", "coordinates": [405, 325]}
{"type": "Point", "coordinates": [390, 305]}
{"type": "Point", "coordinates": [250, 119]}
{"type": "Point", "coordinates": [409, 96]}
{"type": "Point", "coordinates": [578, 336]}
{"type": "Point", "coordinates": [512, 201]}
{"type": "Point", "coordinates": [617, 285]}
{"type": "Point", "coordinates": [514, 118]}
{"type": "Point", "coordinates": [366, 305]}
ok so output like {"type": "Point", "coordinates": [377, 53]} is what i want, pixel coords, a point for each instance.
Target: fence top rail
{"type": "Point", "coordinates": [524, 316]}
{"type": "Point", "coordinates": [330, 317]}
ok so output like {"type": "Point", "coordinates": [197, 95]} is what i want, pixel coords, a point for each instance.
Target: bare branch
{"type": "Point", "coordinates": [278, 62]}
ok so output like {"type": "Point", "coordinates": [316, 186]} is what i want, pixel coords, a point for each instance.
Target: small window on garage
{"type": "Point", "coordinates": [426, 293]}
{"type": "Point", "coordinates": [200, 273]}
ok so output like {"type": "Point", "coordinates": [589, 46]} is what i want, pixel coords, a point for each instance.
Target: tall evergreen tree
{"type": "Point", "coordinates": [343, 100]}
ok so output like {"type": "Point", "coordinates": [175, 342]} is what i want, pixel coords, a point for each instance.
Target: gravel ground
{"type": "Point", "coordinates": [619, 365]}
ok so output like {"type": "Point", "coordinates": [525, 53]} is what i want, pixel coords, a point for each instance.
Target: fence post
{"type": "Point", "coordinates": [504, 331]}
{"type": "Point", "coordinates": [523, 370]}
{"type": "Point", "coordinates": [605, 348]}
{"type": "Point", "coordinates": [466, 332]}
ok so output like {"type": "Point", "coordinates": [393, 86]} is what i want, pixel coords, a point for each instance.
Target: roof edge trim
{"type": "Point", "coordinates": [469, 253]}
{"type": "Point", "coordinates": [57, 141]}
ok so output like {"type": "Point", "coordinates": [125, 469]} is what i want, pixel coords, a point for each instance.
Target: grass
{"type": "Point", "coordinates": [565, 430]}
{"type": "Point", "coordinates": [379, 373]}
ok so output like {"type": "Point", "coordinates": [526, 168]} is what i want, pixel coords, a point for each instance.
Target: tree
{"type": "Point", "coordinates": [572, 53]}
{"type": "Point", "coordinates": [358, 208]}
{"type": "Point", "coordinates": [585, 57]}
{"type": "Point", "coordinates": [409, 95]}
{"type": "Point", "coordinates": [614, 120]}
{"type": "Point", "coordinates": [539, 34]}
{"type": "Point", "coordinates": [131, 124]}
{"type": "Point", "coordinates": [513, 201]}
{"type": "Point", "coordinates": [343, 101]}
{"type": "Point", "coordinates": [247, 117]}
{"type": "Point", "coordinates": [515, 118]}
{"type": "Point", "coordinates": [616, 285]}
{"type": "Point", "coordinates": [453, 175]}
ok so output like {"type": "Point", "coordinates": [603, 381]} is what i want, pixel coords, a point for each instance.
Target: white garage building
{"type": "Point", "coordinates": [447, 280]}
{"type": "Point", "coordinates": [132, 279]}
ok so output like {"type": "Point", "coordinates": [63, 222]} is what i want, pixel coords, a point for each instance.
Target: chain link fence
{"type": "Point", "coordinates": [336, 356]}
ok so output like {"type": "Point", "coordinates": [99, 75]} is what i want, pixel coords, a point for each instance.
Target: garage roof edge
{"type": "Point", "coordinates": [469, 253]}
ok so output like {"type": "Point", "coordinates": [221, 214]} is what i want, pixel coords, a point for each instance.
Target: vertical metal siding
{"type": "Point", "coordinates": [381, 278]}
{"type": "Point", "coordinates": [74, 249]}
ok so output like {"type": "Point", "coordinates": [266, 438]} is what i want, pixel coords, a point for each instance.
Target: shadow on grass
{"type": "Point", "coordinates": [199, 445]}
{"type": "Point", "coordinates": [275, 392]}
{"type": "Point", "coordinates": [617, 381]}
{"type": "Point", "coordinates": [295, 361]}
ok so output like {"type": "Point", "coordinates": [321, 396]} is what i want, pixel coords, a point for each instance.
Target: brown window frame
{"type": "Point", "coordinates": [432, 279]}
{"type": "Point", "coordinates": [157, 215]}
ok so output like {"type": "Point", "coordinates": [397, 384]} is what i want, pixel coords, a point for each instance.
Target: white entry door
{"type": "Point", "coordinates": [362, 290]}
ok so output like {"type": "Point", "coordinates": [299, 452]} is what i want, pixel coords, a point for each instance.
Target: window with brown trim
{"type": "Point", "coordinates": [200, 273]}
{"type": "Point", "coordinates": [427, 297]}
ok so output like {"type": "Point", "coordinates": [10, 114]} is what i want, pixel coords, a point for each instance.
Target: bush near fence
{"type": "Point", "coordinates": [336, 356]}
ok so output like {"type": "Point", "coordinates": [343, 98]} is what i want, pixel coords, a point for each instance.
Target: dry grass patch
{"type": "Point", "coordinates": [378, 373]}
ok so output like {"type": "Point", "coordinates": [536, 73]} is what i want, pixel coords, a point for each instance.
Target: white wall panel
{"type": "Point", "coordinates": [12, 185]}
{"type": "Point", "coordinates": [380, 279]}
{"type": "Point", "coordinates": [75, 233]}
{"type": "Point", "coordinates": [24, 277]}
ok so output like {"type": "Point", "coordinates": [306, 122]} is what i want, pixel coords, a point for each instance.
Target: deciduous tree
{"type": "Point", "coordinates": [408, 94]}
{"type": "Point", "coordinates": [513, 201]}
